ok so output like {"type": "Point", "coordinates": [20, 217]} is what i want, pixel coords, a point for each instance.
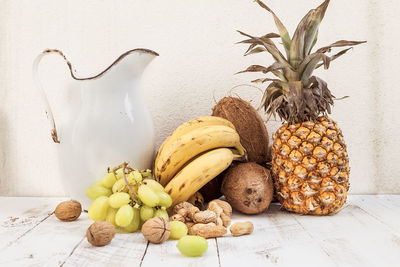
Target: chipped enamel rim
{"type": "Point", "coordinates": [73, 71]}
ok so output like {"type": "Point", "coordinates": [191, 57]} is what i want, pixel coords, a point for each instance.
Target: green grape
{"type": "Point", "coordinates": [136, 176]}
{"type": "Point", "coordinates": [192, 245]}
{"type": "Point", "coordinates": [119, 173]}
{"type": "Point", "coordinates": [146, 213]}
{"type": "Point", "coordinates": [147, 196]}
{"type": "Point", "coordinates": [162, 213]}
{"type": "Point", "coordinates": [141, 223]}
{"type": "Point", "coordinates": [124, 215]}
{"type": "Point", "coordinates": [119, 199]}
{"type": "Point", "coordinates": [98, 209]}
{"type": "Point", "coordinates": [130, 178]}
{"type": "Point", "coordinates": [119, 186]}
{"type": "Point", "coordinates": [108, 180]}
{"type": "Point", "coordinates": [135, 223]}
{"type": "Point", "coordinates": [99, 182]}
{"type": "Point", "coordinates": [96, 191]}
{"type": "Point", "coordinates": [154, 185]}
{"type": "Point", "coordinates": [111, 216]}
{"type": "Point", "coordinates": [146, 173]}
{"type": "Point", "coordinates": [165, 199]}
{"type": "Point", "coordinates": [178, 230]}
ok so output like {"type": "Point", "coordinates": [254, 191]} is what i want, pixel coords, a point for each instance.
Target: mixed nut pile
{"type": "Point", "coordinates": [190, 225]}
{"type": "Point", "coordinates": [209, 223]}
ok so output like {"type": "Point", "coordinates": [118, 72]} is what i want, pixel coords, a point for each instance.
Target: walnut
{"type": "Point", "coordinates": [100, 233]}
{"type": "Point", "coordinates": [156, 230]}
{"type": "Point", "coordinates": [68, 211]}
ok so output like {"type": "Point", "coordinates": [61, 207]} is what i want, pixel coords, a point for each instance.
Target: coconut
{"type": "Point", "coordinates": [248, 187]}
{"type": "Point", "coordinates": [248, 123]}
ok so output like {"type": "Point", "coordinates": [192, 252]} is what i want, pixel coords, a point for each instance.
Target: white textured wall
{"type": "Point", "coordinates": [198, 58]}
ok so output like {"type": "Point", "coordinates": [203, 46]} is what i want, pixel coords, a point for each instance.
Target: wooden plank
{"type": "Point", "coordinates": [124, 250]}
{"type": "Point", "coordinates": [47, 244]}
{"type": "Point", "coordinates": [19, 215]}
{"type": "Point", "coordinates": [365, 233]}
{"type": "Point", "coordinates": [384, 208]}
{"type": "Point", "coordinates": [277, 240]}
{"type": "Point", "coordinates": [353, 237]}
{"type": "Point", "coordinates": [167, 254]}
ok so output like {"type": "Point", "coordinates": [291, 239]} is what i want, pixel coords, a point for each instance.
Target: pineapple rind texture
{"type": "Point", "coordinates": [310, 167]}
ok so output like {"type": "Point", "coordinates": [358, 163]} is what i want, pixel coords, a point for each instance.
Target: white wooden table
{"type": "Point", "coordinates": [365, 233]}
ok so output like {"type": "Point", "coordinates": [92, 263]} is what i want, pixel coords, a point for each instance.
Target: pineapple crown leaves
{"type": "Point", "coordinates": [295, 95]}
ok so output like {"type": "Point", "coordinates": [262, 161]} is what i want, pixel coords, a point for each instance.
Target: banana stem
{"type": "Point", "coordinates": [239, 157]}
{"type": "Point", "coordinates": [241, 150]}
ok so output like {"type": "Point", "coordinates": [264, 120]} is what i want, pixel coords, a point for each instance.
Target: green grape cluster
{"type": "Point", "coordinates": [127, 197]}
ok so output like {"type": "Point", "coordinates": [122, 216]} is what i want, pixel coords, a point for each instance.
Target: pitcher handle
{"type": "Point", "coordinates": [49, 112]}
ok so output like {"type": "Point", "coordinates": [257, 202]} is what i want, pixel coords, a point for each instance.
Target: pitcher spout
{"type": "Point", "coordinates": [133, 62]}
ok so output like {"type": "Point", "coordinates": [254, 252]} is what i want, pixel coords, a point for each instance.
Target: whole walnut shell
{"type": "Point", "coordinates": [68, 211]}
{"type": "Point", "coordinates": [100, 233]}
{"type": "Point", "coordinates": [156, 230]}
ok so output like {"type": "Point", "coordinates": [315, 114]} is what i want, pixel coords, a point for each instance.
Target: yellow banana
{"type": "Point", "coordinates": [197, 173]}
{"type": "Point", "coordinates": [188, 127]}
{"type": "Point", "coordinates": [189, 145]}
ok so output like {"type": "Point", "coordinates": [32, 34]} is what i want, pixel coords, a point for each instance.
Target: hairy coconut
{"type": "Point", "coordinates": [248, 123]}
{"type": "Point", "coordinates": [248, 187]}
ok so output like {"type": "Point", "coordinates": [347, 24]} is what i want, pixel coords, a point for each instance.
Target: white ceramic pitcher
{"type": "Point", "coordinates": [110, 125]}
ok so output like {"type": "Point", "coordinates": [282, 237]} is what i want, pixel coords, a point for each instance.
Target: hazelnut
{"type": "Point", "coordinates": [100, 233]}
{"type": "Point", "coordinates": [156, 230]}
{"type": "Point", "coordinates": [68, 211]}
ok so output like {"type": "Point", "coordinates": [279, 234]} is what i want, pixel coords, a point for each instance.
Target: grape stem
{"type": "Point", "coordinates": [119, 167]}
{"type": "Point", "coordinates": [131, 191]}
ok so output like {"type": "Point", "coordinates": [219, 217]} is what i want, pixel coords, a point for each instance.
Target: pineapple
{"type": "Point", "coordinates": [310, 164]}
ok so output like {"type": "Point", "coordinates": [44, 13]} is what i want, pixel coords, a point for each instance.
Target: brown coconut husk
{"type": "Point", "coordinates": [248, 187]}
{"type": "Point", "coordinates": [248, 123]}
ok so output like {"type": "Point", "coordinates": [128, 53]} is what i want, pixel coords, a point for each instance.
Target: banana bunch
{"type": "Point", "coordinates": [195, 153]}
